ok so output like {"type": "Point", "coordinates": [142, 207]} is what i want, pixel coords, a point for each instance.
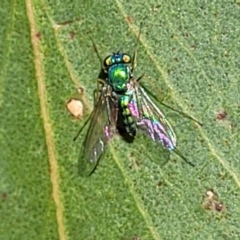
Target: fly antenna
{"type": "Point", "coordinates": [102, 74]}
{"type": "Point", "coordinates": [96, 51]}
{"type": "Point", "coordinates": [134, 62]}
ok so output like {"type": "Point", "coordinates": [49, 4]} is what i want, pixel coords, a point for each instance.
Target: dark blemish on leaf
{"type": "Point", "coordinates": [4, 196]}
{"type": "Point", "coordinates": [226, 143]}
{"type": "Point", "coordinates": [147, 33]}
{"type": "Point", "coordinates": [138, 163]}
{"type": "Point", "coordinates": [131, 154]}
{"type": "Point", "coordinates": [160, 184]}
{"type": "Point", "coordinates": [226, 54]}
{"type": "Point", "coordinates": [193, 47]}
{"type": "Point", "coordinates": [65, 23]}
{"type": "Point", "coordinates": [136, 238]}
{"type": "Point", "coordinates": [211, 201]}
{"type": "Point", "coordinates": [72, 35]}
{"type": "Point", "coordinates": [69, 21]}
{"type": "Point", "coordinates": [129, 19]}
{"type": "Point", "coordinates": [221, 115]}
{"type": "Point", "coordinates": [219, 207]}
{"type": "Point", "coordinates": [176, 59]}
{"type": "Point", "coordinates": [38, 35]}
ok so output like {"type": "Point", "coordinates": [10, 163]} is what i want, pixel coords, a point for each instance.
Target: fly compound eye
{"type": "Point", "coordinates": [126, 58]}
{"type": "Point", "coordinates": [107, 61]}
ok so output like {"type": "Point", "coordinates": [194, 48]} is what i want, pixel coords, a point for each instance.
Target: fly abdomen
{"type": "Point", "coordinates": [128, 121]}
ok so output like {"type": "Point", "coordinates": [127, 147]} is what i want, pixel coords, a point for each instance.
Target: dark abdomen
{"type": "Point", "coordinates": [125, 117]}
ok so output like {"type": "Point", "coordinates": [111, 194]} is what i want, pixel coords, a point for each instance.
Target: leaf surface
{"type": "Point", "coordinates": [190, 55]}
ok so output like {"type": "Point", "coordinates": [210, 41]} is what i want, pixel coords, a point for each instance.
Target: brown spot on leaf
{"type": "Point", "coordinates": [38, 35]}
{"type": "Point", "coordinates": [219, 207]}
{"type": "Point", "coordinates": [160, 184]}
{"type": "Point", "coordinates": [72, 35]}
{"type": "Point", "coordinates": [211, 202]}
{"type": "Point", "coordinates": [129, 19]}
{"type": "Point", "coordinates": [4, 196]}
{"type": "Point", "coordinates": [221, 115]}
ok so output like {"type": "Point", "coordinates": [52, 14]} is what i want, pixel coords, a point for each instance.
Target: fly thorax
{"type": "Point", "coordinates": [118, 77]}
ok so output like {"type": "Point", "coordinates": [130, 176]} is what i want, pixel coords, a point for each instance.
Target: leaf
{"type": "Point", "coordinates": [190, 55]}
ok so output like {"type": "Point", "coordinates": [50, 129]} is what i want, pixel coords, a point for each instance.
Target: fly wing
{"type": "Point", "coordinates": [150, 119]}
{"type": "Point", "coordinates": [101, 129]}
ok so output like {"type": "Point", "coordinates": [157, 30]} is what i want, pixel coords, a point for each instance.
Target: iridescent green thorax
{"type": "Point", "coordinates": [118, 77]}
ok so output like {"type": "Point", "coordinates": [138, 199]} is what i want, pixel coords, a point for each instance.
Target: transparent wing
{"type": "Point", "coordinates": [101, 129]}
{"type": "Point", "coordinates": [150, 119]}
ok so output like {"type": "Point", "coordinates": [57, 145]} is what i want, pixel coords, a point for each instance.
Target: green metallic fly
{"type": "Point", "coordinates": [122, 103]}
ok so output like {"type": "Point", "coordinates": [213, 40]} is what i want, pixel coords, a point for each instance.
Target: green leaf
{"type": "Point", "coordinates": [190, 55]}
